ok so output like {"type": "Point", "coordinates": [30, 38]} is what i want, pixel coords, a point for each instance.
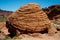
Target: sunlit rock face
{"type": "Point", "coordinates": [29, 18]}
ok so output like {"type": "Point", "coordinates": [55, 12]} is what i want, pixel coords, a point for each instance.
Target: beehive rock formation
{"type": "Point", "coordinates": [29, 19]}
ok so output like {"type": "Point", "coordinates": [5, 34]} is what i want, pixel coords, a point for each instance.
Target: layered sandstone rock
{"type": "Point", "coordinates": [29, 19]}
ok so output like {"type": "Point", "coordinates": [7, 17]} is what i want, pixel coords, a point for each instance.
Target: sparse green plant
{"type": "Point", "coordinates": [58, 23]}
{"type": "Point", "coordinates": [7, 38]}
{"type": "Point", "coordinates": [2, 18]}
{"type": "Point", "coordinates": [14, 38]}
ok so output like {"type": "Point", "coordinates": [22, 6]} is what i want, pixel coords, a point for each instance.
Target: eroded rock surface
{"type": "Point", "coordinates": [3, 30]}
{"type": "Point", "coordinates": [29, 19]}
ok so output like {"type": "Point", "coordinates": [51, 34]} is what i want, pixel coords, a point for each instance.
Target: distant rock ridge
{"type": "Point", "coordinates": [5, 13]}
{"type": "Point", "coordinates": [53, 12]}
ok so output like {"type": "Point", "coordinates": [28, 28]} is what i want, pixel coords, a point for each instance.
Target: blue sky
{"type": "Point", "coordinates": [13, 5]}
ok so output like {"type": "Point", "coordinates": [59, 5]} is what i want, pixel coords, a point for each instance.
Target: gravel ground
{"type": "Point", "coordinates": [44, 37]}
